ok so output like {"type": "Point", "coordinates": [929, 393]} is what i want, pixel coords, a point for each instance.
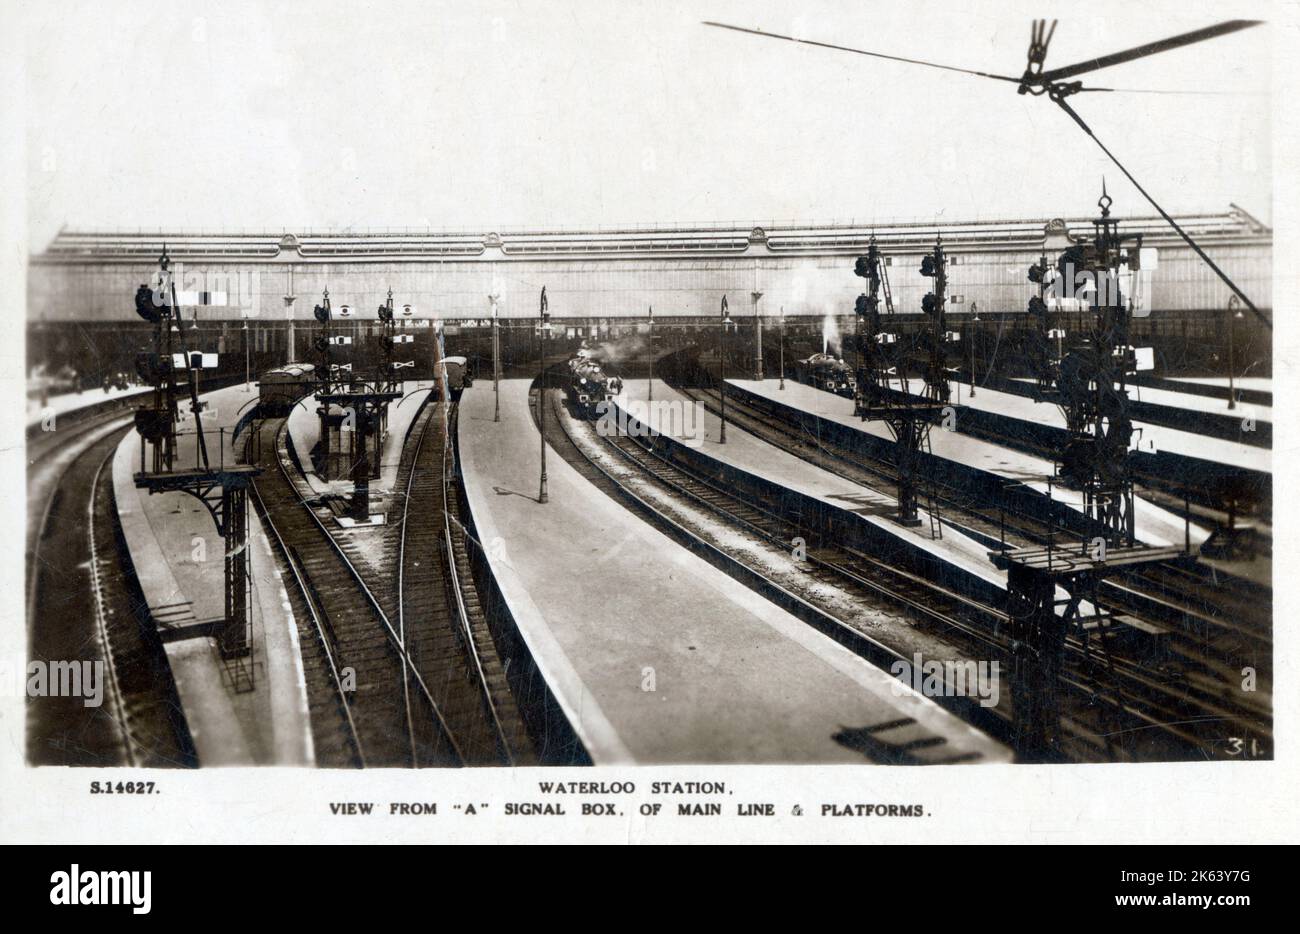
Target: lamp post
{"type": "Point", "coordinates": [1234, 314]}
{"type": "Point", "coordinates": [289, 299]}
{"type": "Point", "coordinates": [758, 336]}
{"type": "Point", "coordinates": [495, 299]}
{"type": "Point", "coordinates": [247, 359]}
{"type": "Point", "coordinates": [781, 385]}
{"type": "Point", "coordinates": [543, 327]}
{"type": "Point", "coordinates": [650, 379]}
{"type": "Point", "coordinates": [975, 319]}
{"type": "Point", "coordinates": [723, 322]}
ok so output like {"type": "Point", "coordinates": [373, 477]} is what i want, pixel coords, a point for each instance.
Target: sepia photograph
{"type": "Point", "coordinates": [646, 401]}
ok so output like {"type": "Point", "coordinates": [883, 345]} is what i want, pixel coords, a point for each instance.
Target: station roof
{"type": "Point", "coordinates": [739, 240]}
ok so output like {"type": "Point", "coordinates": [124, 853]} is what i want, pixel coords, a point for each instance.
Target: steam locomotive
{"type": "Point", "coordinates": [826, 372]}
{"type": "Point", "coordinates": [588, 384]}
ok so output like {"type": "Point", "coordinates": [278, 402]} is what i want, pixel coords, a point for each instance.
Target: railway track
{"type": "Point", "coordinates": [434, 601]}
{"type": "Point", "coordinates": [1113, 710]}
{"type": "Point", "coordinates": [398, 664]}
{"type": "Point", "coordinates": [85, 605]}
{"type": "Point", "coordinates": [50, 453]}
{"type": "Point", "coordinates": [515, 746]}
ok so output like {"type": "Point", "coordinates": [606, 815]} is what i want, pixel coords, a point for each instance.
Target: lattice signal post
{"type": "Point", "coordinates": [222, 489]}
{"type": "Point", "coordinates": [1043, 364]}
{"type": "Point", "coordinates": [1038, 631]}
{"type": "Point", "coordinates": [356, 394]}
{"type": "Point", "coordinates": [1090, 388]}
{"type": "Point", "coordinates": [887, 359]}
{"type": "Point", "coordinates": [935, 336]}
{"type": "Point", "coordinates": [1091, 379]}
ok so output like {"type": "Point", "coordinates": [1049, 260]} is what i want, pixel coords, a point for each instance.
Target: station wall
{"type": "Point", "coordinates": [616, 287]}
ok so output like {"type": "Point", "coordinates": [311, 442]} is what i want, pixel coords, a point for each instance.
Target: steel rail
{"type": "Point", "coordinates": [375, 606]}
{"type": "Point", "coordinates": [326, 637]}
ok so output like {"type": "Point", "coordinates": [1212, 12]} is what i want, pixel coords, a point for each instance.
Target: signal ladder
{"type": "Point", "coordinates": [936, 521]}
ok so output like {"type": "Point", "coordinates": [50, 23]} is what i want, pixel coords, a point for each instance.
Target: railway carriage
{"type": "Point", "coordinates": [280, 389]}
{"type": "Point", "coordinates": [457, 371]}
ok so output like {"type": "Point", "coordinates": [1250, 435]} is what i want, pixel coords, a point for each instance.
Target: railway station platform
{"type": "Point", "coordinates": [653, 654]}
{"type": "Point", "coordinates": [255, 716]}
{"type": "Point", "coordinates": [69, 402]}
{"type": "Point", "coordinates": [1253, 383]}
{"type": "Point", "coordinates": [1155, 525]}
{"type": "Point", "coordinates": [1150, 437]}
{"type": "Point", "coordinates": [1176, 406]}
{"type": "Point", "coordinates": [1166, 398]}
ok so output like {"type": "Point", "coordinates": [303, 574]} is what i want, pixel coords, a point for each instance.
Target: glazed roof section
{"type": "Point", "coordinates": [775, 239]}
